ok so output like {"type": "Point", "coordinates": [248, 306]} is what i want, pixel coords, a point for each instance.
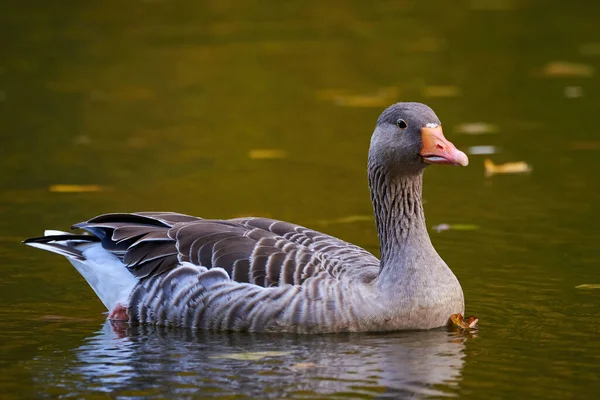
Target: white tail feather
{"type": "Point", "coordinates": [102, 270]}
{"type": "Point", "coordinates": [106, 274]}
{"type": "Point", "coordinates": [52, 232]}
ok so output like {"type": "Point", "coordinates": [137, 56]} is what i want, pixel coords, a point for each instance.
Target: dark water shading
{"type": "Point", "coordinates": [221, 110]}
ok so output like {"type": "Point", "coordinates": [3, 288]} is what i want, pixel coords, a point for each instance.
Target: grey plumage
{"type": "Point", "coordinates": [261, 274]}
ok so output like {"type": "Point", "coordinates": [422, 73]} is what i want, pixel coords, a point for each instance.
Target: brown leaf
{"type": "Point", "coordinates": [459, 322]}
{"type": "Point", "coordinates": [518, 167]}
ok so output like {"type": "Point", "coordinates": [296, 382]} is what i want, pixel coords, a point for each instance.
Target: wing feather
{"type": "Point", "coordinates": [261, 251]}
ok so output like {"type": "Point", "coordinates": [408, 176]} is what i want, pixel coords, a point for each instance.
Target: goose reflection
{"type": "Point", "coordinates": [154, 360]}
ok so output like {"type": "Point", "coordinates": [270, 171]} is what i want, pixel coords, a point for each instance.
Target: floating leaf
{"type": "Point", "coordinates": [588, 286]}
{"type": "Point", "coordinates": [459, 322]}
{"type": "Point", "coordinates": [457, 227]}
{"type": "Point", "coordinates": [267, 154]}
{"type": "Point", "coordinates": [251, 356]}
{"type": "Point", "coordinates": [441, 91]}
{"type": "Point", "coordinates": [476, 128]}
{"type": "Point", "coordinates": [482, 150]}
{"type": "Point", "coordinates": [61, 188]}
{"type": "Point", "coordinates": [519, 167]}
{"type": "Point", "coordinates": [567, 69]}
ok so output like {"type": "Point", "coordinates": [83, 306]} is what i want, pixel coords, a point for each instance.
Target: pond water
{"type": "Point", "coordinates": [221, 110]}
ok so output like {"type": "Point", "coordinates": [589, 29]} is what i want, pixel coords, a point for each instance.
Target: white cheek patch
{"type": "Point", "coordinates": [432, 125]}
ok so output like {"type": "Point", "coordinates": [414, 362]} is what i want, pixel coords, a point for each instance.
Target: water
{"type": "Point", "coordinates": [222, 110]}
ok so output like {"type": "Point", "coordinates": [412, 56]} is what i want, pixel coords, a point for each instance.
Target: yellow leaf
{"type": "Point", "coordinates": [588, 286]}
{"type": "Point", "coordinates": [518, 167]}
{"type": "Point", "coordinates": [61, 188]}
{"type": "Point", "coordinates": [267, 154]}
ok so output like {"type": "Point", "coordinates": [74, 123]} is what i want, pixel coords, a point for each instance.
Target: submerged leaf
{"type": "Point", "coordinates": [588, 286]}
{"type": "Point", "coordinates": [61, 188]}
{"type": "Point", "coordinates": [518, 167]}
{"type": "Point", "coordinates": [251, 356]}
{"type": "Point", "coordinates": [267, 154]}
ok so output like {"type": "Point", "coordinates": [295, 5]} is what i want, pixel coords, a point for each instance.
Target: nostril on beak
{"type": "Point", "coordinates": [439, 146]}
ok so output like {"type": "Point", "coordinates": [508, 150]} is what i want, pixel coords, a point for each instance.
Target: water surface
{"type": "Point", "coordinates": [222, 110]}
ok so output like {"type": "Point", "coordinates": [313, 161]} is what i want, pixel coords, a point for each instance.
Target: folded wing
{"type": "Point", "coordinates": [260, 251]}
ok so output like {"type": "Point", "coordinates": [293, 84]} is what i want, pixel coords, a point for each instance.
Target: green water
{"type": "Point", "coordinates": [164, 104]}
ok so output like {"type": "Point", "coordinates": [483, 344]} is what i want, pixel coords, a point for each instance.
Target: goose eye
{"type": "Point", "coordinates": [401, 124]}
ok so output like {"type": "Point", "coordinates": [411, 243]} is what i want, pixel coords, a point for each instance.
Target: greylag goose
{"type": "Point", "coordinates": [260, 274]}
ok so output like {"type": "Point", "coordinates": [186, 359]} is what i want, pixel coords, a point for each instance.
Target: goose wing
{"type": "Point", "coordinates": [261, 251]}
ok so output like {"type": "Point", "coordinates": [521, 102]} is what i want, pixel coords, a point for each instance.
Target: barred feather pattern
{"type": "Point", "coordinates": [195, 297]}
{"type": "Point", "coordinates": [241, 274]}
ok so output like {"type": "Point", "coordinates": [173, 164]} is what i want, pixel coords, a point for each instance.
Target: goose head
{"type": "Point", "coordinates": [409, 137]}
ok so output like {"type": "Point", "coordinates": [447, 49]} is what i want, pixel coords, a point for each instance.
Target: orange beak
{"type": "Point", "coordinates": [437, 150]}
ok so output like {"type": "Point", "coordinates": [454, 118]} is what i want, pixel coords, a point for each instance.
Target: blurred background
{"type": "Point", "coordinates": [223, 109]}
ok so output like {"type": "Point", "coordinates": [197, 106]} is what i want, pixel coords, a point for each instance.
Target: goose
{"type": "Point", "coordinates": [261, 274]}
